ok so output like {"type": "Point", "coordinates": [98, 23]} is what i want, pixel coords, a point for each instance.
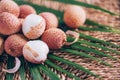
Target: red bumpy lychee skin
{"type": "Point", "coordinates": [10, 7]}
{"type": "Point", "coordinates": [9, 23]}
{"type": "Point", "coordinates": [25, 10]}
{"type": "Point", "coordinates": [51, 20]}
{"type": "Point", "coordinates": [14, 44]}
{"type": "Point", "coordinates": [54, 37]}
{"type": "Point", "coordinates": [74, 16]}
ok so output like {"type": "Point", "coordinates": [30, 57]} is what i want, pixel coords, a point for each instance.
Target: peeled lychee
{"type": "Point", "coordinates": [14, 44]}
{"type": "Point", "coordinates": [9, 23]}
{"type": "Point", "coordinates": [1, 45]}
{"type": "Point", "coordinates": [51, 20]}
{"type": "Point", "coordinates": [10, 7]}
{"type": "Point", "coordinates": [74, 16]}
{"type": "Point", "coordinates": [33, 26]}
{"type": "Point", "coordinates": [35, 51]}
{"type": "Point", "coordinates": [25, 10]}
{"type": "Point", "coordinates": [54, 37]}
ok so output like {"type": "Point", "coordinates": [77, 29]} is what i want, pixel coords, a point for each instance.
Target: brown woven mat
{"type": "Point", "coordinates": [106, 72]}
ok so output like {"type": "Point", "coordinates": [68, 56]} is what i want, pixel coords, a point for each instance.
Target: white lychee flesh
{"type": "Point", "coordinates": [33, 26]}
{"type": "Point", "coordinates": [35, 51]}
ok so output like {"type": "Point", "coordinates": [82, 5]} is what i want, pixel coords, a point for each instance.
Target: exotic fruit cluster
{"type": "Point", "coordinates": [32, 35]}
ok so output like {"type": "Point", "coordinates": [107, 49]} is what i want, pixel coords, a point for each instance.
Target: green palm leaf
{"type": "Point", "coordinates": [47, 71]}
{"type": "Point", "coordinates": [52, 56]}
{"type": "Point", "coordinates": [98, 46]}
{"type": "Point", "coordinates": [48, 62]}
{"type": "Point", "coordinates": [10, 65]}
{"type": "Point", "coordinates": [22, 69]}
{"type": "Point", "coordinates": [35, 72]}
{"type": "Point", "coordinates": [98, 40]}
{"type": "Point", "coordinates": [85, 5]}
{"type": "Point", "coordinates": [87, 49]}
{"type": "Point", "coordinates": [85, 55]}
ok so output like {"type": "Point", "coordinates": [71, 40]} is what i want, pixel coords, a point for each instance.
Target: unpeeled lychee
{"type": "Point", "coordinates": [54, 37]}
{"type": "Point", "coordinates": [74, 16]}
{"type": "Point", "coordinates": [14, 44]}
{"type": "Point", "coordinates": [9, 23]}
{"type": "Point", "coordinates": [51, 20]}
{"type": "Point", "coordinates": [33, 26]}
{"type": "Point", "coordinates": [10, 7]}
{"type": "Point", "coordinates": [25, 10]}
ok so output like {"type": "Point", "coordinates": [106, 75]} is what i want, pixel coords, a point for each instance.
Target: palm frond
{"type": "Point", "coordinates": [98, 46]}
{"type": "Point", "coordinates": [47, 71]}
{"type": "Point", "coordinates": [34, 72]}
{"type": "Point", "coordinates": [87, 49]}
{"type": "Point", "coordinates": [52, 56]}
{"type": "Point", "coordinates": [86, 5]}
{"type": "Point", "coordinates": [50, 63]}
{"type": "Point", "coordinates": [96, 40]}
{"type": "Point", "coordinates": [82, 54]}
{"type": "Point", "coordinates": [10, 65]}
{"type": "Point", "coordinates": [22, 69]}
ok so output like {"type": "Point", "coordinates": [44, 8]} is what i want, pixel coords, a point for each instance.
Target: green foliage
{"type": "Point", "coordinates": [10, 65]}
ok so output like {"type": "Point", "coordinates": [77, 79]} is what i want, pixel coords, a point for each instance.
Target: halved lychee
{"type": "Point", "coordinates": [33, 26]}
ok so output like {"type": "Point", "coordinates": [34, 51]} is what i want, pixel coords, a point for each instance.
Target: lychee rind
{"type": "Point", "coordinates": [74, 16]}
{"type": "Point", "coordinates": [33, 26]}
{"type": "Point", "coordinates": [54, 37]}
{"type": "Point", "coordinates": [14, 44]}
{"type": "Point", "coordinates": [51, 20]}
{"type": "Point", "coordinates": [10, 7]}
{"type": "Point", "coordinates": [25, 10]}
{"type": "Point", "coordinates": [9, 23]}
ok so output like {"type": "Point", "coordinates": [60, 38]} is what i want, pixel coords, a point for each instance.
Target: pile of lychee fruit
{"type": "Point", "coordinates": [32, 35]}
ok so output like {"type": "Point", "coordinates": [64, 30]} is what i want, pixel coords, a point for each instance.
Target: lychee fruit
{"type": "Point", "coordinates": [9, 23]}
{"type": "Point", "coordinates": [14, 44]}
{"type": "Point", "coordinates": [51, 20]}
{"type": "Point", "coordinates": [35, 51]}
{"type": "Point", "coordinates": [10, 7]}
{"type": "Point", "coordinates": [54, 37]}
{"type": "Point", "coordinates": [74, 16]}
{"type": "Point", "coordinates": [25, 10]}
{"type": "Point", "coordinates": [33, 26]}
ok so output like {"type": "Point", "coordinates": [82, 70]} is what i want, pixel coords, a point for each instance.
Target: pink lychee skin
{"type": "Point", "coordinates": [74, 16]}
{"type": "Point", "coordinates": [25, 10]}
{"type": "Point", "coordinates": [9, 6]}
{"type": "Point", "coordinates": [9, 23]}
{"type": "Point", "coordinates": [51, 20]}
{"type": "Point", "coordinates": [14, 44]}
{"type": "Point", "coordinates": [54, 37]}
